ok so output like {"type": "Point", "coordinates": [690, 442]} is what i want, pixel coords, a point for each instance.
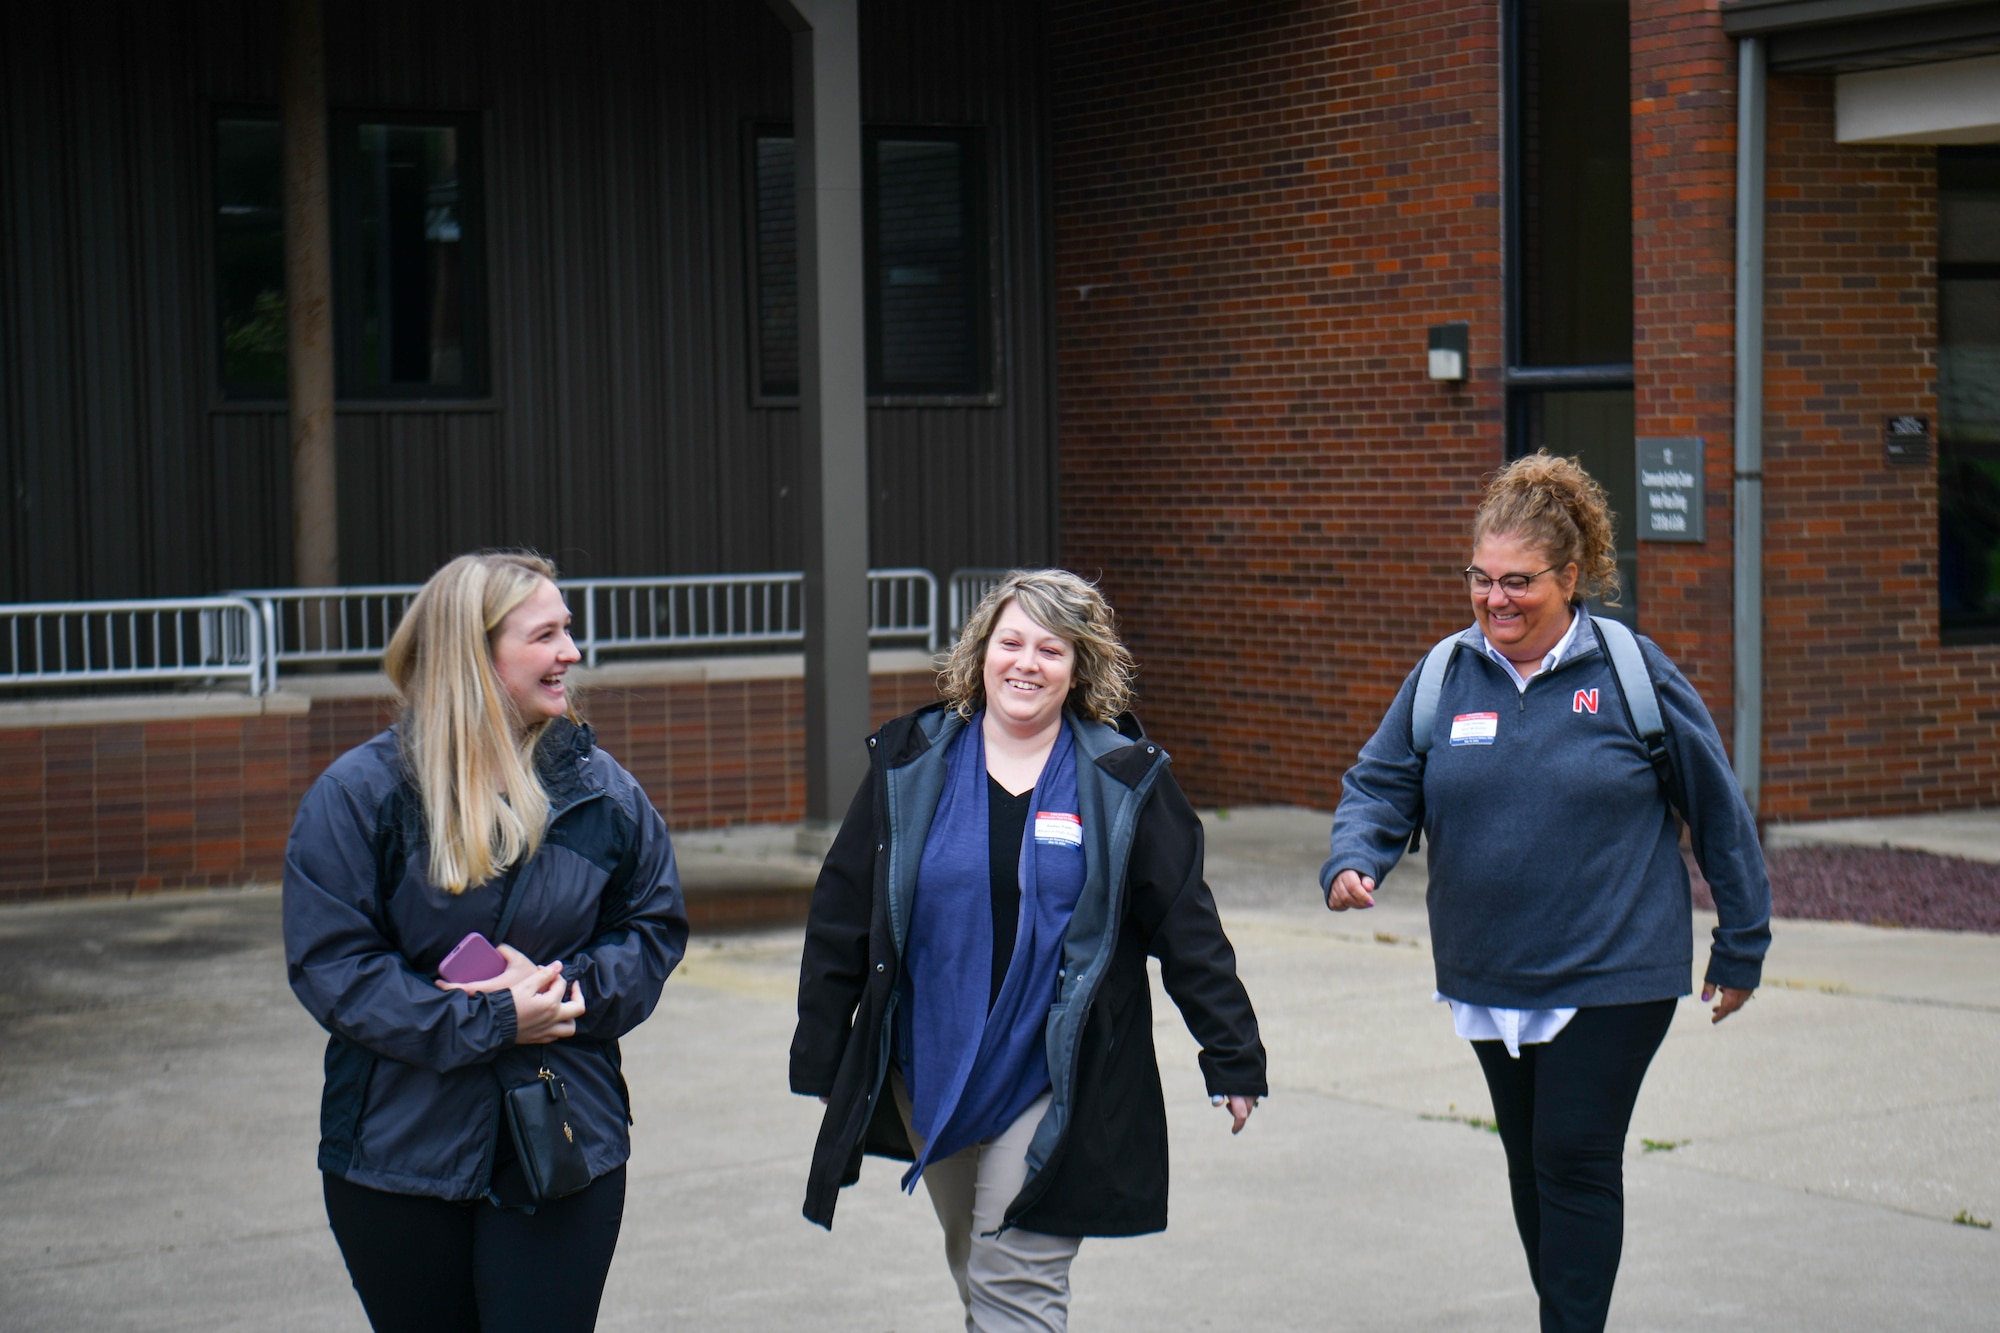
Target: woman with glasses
{"type": "Point", "coordinates": [1560, 914]}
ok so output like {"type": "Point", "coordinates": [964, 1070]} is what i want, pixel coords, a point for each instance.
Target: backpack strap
{"type": "Point", "coordinates": [1424, 709]}
{"type": "Point", "coordinates": [1642, 701]}
{"type": "Point", "coordinates": [1430, 684]}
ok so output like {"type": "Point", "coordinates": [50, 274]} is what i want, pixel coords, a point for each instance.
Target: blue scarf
{"type": "Point", "coordinates": [972, 1072]}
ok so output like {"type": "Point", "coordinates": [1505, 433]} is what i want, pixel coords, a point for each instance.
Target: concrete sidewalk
{"type": "Point", "coordinates": [158, 1115]}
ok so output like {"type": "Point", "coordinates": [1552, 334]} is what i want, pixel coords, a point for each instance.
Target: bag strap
{"type": "Point", "coordinates": [1642, 701]}
{"type": "Point", "coordinates": [1430, 684]}
{"type": "Point", "coordinates": [1423, 714]}
{"type": "Point", "coordinates": [509, 903]}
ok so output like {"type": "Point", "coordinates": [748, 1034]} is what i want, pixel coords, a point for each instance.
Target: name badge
{"type": "Point", "coordinates": [1058, 830]}
{"type": "Point", "coordinates": [1475, 728]}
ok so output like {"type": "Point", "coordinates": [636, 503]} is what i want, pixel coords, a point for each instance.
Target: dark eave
{"type": "Point", "coordinates": [1843, 36]}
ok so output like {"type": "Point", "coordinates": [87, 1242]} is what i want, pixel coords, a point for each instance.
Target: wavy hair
{"type": "Point", "coordinates": [463, 741]}
{"type": "Point", "coordinates": [1555, 506]}
{"type": "Point", "coordinates": [1068, 606]}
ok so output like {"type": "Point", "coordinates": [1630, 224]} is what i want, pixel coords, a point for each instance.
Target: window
{"type": "Point", "coordinates": [408, 261]}
{"type": "Point", "coordinates": [249, 259]}
{"type": "Point", "coordinates": [926, 278]}
{"type": "Point", "coordinates": [1569, 372]}
{"type": "Point", "coordinates": [1968, 434]}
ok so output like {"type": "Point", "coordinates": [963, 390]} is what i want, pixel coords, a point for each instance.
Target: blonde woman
{"type": "Point", "coordinates": [486, 809]}
{"type": "Point", "coordinates": [973, 996]}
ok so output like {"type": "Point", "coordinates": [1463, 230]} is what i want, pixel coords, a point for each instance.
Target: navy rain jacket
{"type": "Point", "coordinates": [413, 1073]}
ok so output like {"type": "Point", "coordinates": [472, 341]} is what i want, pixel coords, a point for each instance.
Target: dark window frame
{"type": "Point", "coordinates": [1960, 630]}
{"type": "Point", "coordinates": [1529, 386]}
{"type": "Point", "coordinates": [982, 248]}
{"type": "Point", "coordinates": [343, 223]}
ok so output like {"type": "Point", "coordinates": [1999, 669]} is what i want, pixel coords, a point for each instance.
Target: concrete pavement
{"type": "Point", "coordinates": [158, 1117]}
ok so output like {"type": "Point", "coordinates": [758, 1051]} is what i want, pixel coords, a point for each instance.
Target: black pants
{"type": "Point", "coordinates": [1563, 1109]}
{"type": "Point", "coordinates": [428, 1266]}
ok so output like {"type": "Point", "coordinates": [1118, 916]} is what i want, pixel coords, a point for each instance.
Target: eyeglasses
{"type": "Point", "coordinates": [1513, 585]}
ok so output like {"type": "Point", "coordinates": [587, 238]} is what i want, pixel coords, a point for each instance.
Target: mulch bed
{"type": "Point", "coordinates": [1880, 887]}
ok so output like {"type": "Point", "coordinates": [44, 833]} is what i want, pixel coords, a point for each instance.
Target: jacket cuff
{"type": "Point", "coordinates": [1735, 973]}
{"type": "Point", "coordinates": [811, 1082]}
{"type": "Point", "coordinates": [505, 1024]}
{"type": "Point", "coordinates": [1234, 1078]}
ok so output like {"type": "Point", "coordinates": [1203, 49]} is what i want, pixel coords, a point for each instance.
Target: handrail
{"type": "Point", "coordinates": [83, 643]}
{"type": "Point", "coordinates": [967, 587]}
{"type": "Point", "coordinates": [611, 615]}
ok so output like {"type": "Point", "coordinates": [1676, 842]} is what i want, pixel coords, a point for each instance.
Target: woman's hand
{"type": "Point", "coordinates": [1239, 1110]}
{"type": "Point", "coordinates": [1350, 888]}
{"type": "Point", "coordinates": [542, 1013]}
{"type": "Point", "coordinates": [1732, 1000]}
{"type": "Point", "coordinates": [519, 965]}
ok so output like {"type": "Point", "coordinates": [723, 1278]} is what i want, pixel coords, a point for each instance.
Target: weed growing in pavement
{"type": "Point", "coordinates": [1663, 1145]}
{"type": "Point", "coordinates": [1966, 1219]}
{"type": "Point", "coordinates": [1472, 1120]}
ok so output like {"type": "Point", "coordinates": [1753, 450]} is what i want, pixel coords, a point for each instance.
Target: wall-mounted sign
{"type": "Point", "coordinates": [1906, 441]}
{"type": "Point", "coordinates": [1670, 491]}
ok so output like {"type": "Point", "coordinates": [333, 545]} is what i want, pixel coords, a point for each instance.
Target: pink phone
{"type": "Point", "coordinates": [473, 960]}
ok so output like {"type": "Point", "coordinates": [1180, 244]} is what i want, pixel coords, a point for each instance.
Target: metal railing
{"type": "Point", "coordinates": [903, 605]}
{"type": "Point", "coordinates": [161, 639]}
{"type": "Point", "coordinates": [967, 587]}
{"type": "Point", "coordinates": [327, 624]}
{"type": "Point", "coordinates": [305, 625]}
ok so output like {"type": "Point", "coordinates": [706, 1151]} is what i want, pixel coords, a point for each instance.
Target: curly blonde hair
{"type": "Point", "coordinates": [1067, 606]}
{"type": "Point", "coordinates": [1555, 506]}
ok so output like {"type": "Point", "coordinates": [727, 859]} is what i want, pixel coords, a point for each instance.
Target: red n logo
{"type": "Point", "coordinates": [1586, 702]}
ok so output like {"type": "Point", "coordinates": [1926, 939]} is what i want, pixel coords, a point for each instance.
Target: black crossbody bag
{"type": "Point", "coordinates": [538, 1114]}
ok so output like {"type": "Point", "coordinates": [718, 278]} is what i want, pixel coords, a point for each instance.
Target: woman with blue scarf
{"type": "Point", "coordinates": [973, 997]}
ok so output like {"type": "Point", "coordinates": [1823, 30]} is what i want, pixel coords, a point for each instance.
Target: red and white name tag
{"type": "Point", "coordinates": [1058, 830]}
{"type": "Point", "coordinates": [1475, 728]}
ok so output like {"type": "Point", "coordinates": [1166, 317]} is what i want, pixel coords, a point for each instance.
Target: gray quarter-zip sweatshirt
{"type": "Point", "coordinates": [1555, 870]}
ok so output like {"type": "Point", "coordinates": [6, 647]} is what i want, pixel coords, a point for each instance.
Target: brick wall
{"type": "Point", "coordinates": [1865, 712]}
{"type": "Point", "coordinates": [1259, 209]}
{"type": "Point", "coordinates": [1683, 287]}
{"type": "Point", "coordinates": [139, 807]}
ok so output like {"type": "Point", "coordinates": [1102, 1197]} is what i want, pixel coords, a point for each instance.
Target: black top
{"type": "Point", "coordinates": [1006, 825]}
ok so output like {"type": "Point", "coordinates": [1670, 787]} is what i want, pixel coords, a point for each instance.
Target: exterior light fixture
{"type": "Point", "coordinates": [1450, 348]}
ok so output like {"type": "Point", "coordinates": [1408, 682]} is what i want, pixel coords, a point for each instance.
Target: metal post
{"type": "Point", "coordinates": [309, 296]}
{"type": "Point", "coordinates": [833, 402]}
{"type": "Point", "coordinates": [1748, 630]}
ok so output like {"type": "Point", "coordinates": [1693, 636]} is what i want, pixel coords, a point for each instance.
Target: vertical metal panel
{"type": "Point", "coordinates": [621, 437]}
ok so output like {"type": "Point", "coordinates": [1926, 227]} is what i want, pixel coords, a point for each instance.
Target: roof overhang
{"type": "Point", "coordinates": [1850, 36]}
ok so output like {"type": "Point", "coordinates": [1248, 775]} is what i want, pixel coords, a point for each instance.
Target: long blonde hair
{"type": "Point", "coordinates": [1067, 606]}
{"type": "Point", "coordinates": [462, 739]}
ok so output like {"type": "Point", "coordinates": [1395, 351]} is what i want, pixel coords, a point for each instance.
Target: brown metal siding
{"type": "Point", "coordinates": [620, 436]}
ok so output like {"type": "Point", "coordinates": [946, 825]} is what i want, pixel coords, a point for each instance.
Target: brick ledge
{"type": "Point", "coordinates": [299, 692]}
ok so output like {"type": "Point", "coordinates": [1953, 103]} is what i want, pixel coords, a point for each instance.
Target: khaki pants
{"type": "Point", "coordinates": [1017, 1280]}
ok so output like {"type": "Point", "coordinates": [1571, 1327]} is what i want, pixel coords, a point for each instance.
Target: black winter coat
{"type": "Point", "coordinates": [1098, 1162]}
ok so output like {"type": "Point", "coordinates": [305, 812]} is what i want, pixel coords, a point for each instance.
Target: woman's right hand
{"type": "Point", "coordinates": [1350, 888]}
{"type": "Point", "coordinates": [542, 1013]}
